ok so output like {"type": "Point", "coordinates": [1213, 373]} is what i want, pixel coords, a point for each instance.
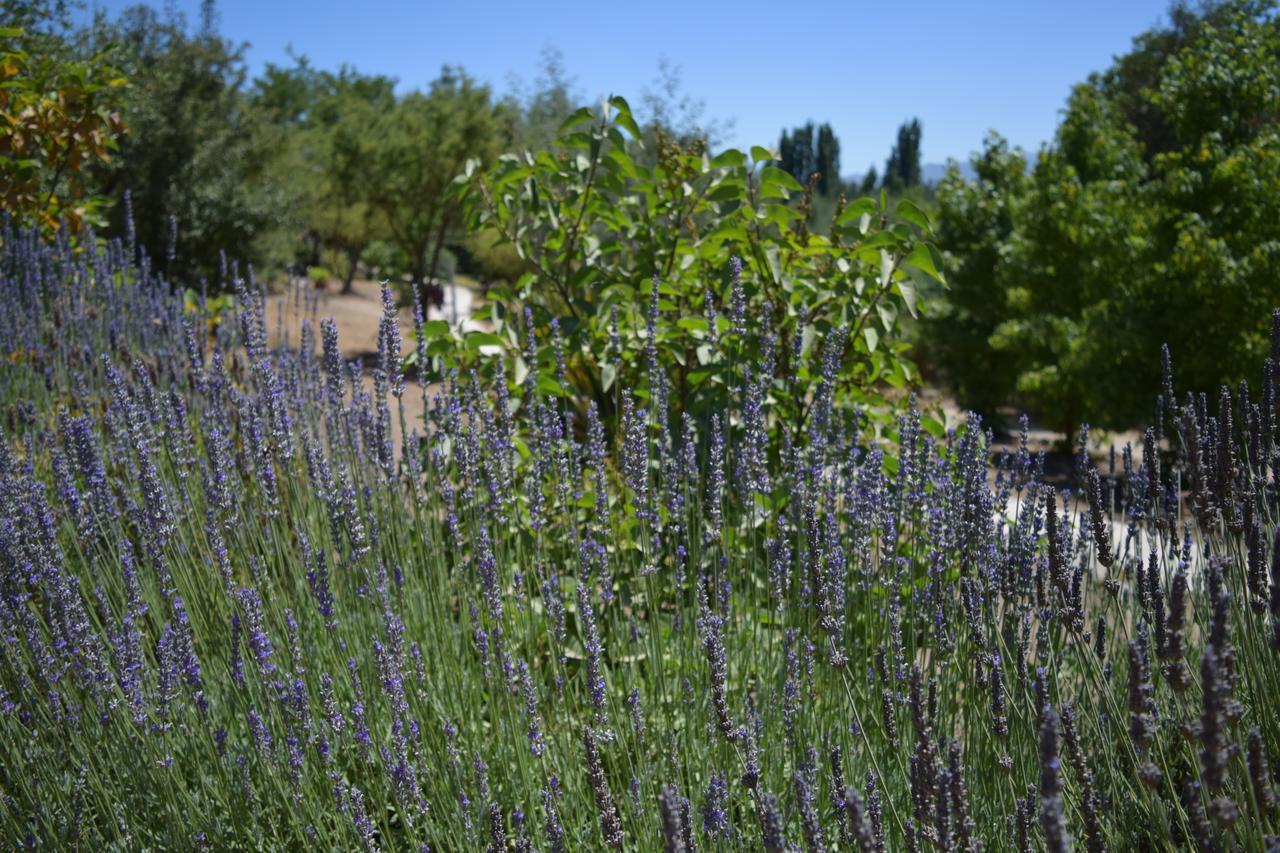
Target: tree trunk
{"type": "Point", "coordinates": [418, 274]}
{"type": "Point", "coordinates": [353, 261]}
{"type": "Point", "coordinates": [435, 262]}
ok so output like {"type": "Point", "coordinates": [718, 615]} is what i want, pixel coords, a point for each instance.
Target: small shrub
{"type": "Point", "coordinates": [603, 221]}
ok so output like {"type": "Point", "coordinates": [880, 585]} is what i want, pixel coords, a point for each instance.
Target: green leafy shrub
{"type": "Point", "coordinates": [1152, 218]}
{"type": "Point", "coordinates": [601, 228]}
{"type": "Point", "coordinates": [974, 220]}
{"type": "Point", "coordinates": [59, 118]}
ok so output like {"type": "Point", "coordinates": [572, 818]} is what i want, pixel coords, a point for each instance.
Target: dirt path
{"type": "Point", "coordinates": [358, 315]}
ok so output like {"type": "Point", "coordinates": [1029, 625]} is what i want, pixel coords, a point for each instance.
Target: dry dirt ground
{"type": "Point", "coordinates": [358, 315]}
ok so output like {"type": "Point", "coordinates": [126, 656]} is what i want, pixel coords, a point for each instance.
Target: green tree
{"type": "Point", "coordinates": [1068, 260]}
{"type": "Point", "coordinates": [975, 220]}
{"type": "Point", "coordinates": [806, 151]}
{"type": "Point", "coordinates": [1129, 82]}
{"type": "Point", "coordinates": [902, 171]}
{"type": "Point", "coordinates": [416, 150]}
{"type": "Point", "coordinates": [58, 119]}
{"type": "Point", "coordinates": [869, 181]}
{"type": "Point", "coordinates": [828, 151]}
{"type": "Point", "coordinates": [328, 115]}
{"type": "Point", "coordinates": [1137, 227]}
{"type": "Point", "coordinates": [796, 154]}
{"type": "Point", "coordinates": [199, 155]}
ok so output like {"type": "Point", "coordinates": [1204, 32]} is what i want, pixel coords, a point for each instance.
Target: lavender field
{"type": "Point", "coordinates": [236, 613]}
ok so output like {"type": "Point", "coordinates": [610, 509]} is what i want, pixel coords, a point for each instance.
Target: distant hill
{"type": "Point", "coordinates": [930, 173]}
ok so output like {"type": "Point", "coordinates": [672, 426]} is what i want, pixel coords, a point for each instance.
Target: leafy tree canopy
{"type": "Point", "coordinates": [58, 119]}
{"type": "Point", "coordinates": [1151, 218]}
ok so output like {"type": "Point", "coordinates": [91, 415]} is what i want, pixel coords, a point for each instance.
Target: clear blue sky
{"type": "Point", "coordinates": [862, 65]}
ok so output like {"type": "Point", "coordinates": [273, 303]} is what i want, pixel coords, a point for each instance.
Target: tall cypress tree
{"type": "Point", "coordinates": [903, 168]}
{"type": "Point", "coordinates": [828, 157]}
{"type": "Point", "coordinates": [869, 181]}
{"type": "Point", "coordinates": [807, 150]}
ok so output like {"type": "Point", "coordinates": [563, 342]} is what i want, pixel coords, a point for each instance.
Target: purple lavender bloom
{"type": "Point", "coordinates": [553, 828]}
{"type": "Point", "coordinates": [711, 627]}
{"type": "Point", "coordinates": [1052, 819]}
{"type": "Point", "coordinates": [256, 635]}
{"type": "Point", "coordinates": [594, 646]}
{"type": "Point", "coordinates": [261, 736]}
{"type": "Point", "coordinates": [487, 571]}
{"type": "Point", "coordinates": [738, 297]}
{"type": "Point", "coordinates": [610, 822]}
{"type": "Point", "coordinates": [772, 833]}
{"type": "Point", "coordinates": [715, 808]}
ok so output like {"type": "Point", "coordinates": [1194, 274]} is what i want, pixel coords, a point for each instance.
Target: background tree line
{"type": "Point", "coordinates": [328, 170]}
{"type": "Point", "coordinates": [811, 154]}
{"type": "Point", "coordinates": [1151, 217]}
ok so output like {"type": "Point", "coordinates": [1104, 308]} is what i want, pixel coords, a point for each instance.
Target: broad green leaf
{"type": "Point", "coordinates": [888, 314]}
{"type": "Point", "coordinates": [872, 336]}
{"type": "Point", "coordinates": [856, 210]}
{"type": "Point", "coordinates": [727, 191]}
{"type": "Point", "coordinates": [925, 258]}
{"type": "Point", "coordinates": [729, 157]}
{"type": "Point", "coordinates": [624, 118]}
{"type": "Point", "coordinates": [775, 263]}
{"type": "Point", "coordinates": [806, 338]}
{"type": "Point", "coordinates": [608, 372]}
{"type": "Point", "coordinates": [481, 340]}
{"type": "Point", "coordinates": [433, 329]}
{"type": "Point", "coordinates": [762, 155]}
{"type": "Point", "coordinates": [547, 384]}
{"type": "Point", "coordinates": [697, 377]}
{"type": "Point", "coordinates": [629, 124]}
{"type": "Point", "coordinates": [577, 117]}
{"type": "Point", "coordinates": [911, 212]}
{"type": "Point", "coordinates": [694, 324]}
{"type": "Point", "coordinates": [619, 156]}
{"type": "Point", "coordinates": [780, 177]}
{"type": "Point", "coordinates": [907, 290]}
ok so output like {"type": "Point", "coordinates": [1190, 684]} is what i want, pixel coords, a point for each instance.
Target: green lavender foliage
{"type": "Point", "coordinates": [240, 611]}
